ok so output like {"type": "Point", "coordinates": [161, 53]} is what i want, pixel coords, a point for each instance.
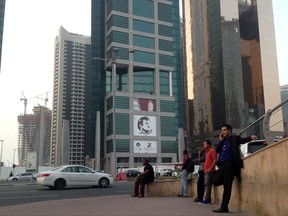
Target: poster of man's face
{"type": "Point", "coordinates": [144, 125]}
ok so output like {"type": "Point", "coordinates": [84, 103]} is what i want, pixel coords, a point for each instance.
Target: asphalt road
{"type": "Point", "coordinates": [23, 192]}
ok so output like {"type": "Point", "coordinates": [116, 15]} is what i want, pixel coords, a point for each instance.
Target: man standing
{"type": "Point", "coordinates": [184, 175]}
{"type": "Point", "coordinates": [230, 162]}
{"type": "Point", "coordinates": [209, 170]}
{"type": "Point", "coordinates": [143, 178]}
{"type": "Point", "coordinates": [200, 180]}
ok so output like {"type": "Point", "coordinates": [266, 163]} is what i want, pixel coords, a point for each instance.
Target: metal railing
{"type": "Point", "coordinates": [266, 127]}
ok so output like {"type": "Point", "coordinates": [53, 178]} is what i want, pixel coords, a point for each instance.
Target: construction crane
{"type": "Point", "coordinates": [37, 96]}
{"type": "Point", "coordinates": [25, 102]}
{"type": "Point", "coordinates": [45, 99]}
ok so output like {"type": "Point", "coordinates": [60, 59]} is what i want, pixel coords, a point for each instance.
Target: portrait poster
{"type": "Point", "coordinates": [144, 125]}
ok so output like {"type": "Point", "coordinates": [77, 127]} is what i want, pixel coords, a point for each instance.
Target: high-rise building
{"type": "Point", "coordinates": [37, 128]}
{"type": "Point", "coordinates": [70, 98]}
{"type": "Point", "coordinates": [137, 82]}
{"type": "Point", "coordinates": [2, 12]}
{"type": "Point", "coordinates": [284, 96]}
{"type": "Point", "coordinates": [231, 62]}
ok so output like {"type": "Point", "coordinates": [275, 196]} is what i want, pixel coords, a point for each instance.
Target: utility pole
{"type": "Point", "coordinates": [24, 147]}
{"type": "Point", "coordinates": [1, 156]}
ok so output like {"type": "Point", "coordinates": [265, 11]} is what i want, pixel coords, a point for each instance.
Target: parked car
{"type": "Point", "coordinates": [250, 147]}
{"type": "Point", "coordinates": [132, 173]}
{"type": "Point", "coordinates": [164, 172]}
{"type": "Point", "coordinates": [74, 175]}
{"type": "Point", "coordinates": [27, 176]}
{"type": "Point", "coordinates": [193, 174]}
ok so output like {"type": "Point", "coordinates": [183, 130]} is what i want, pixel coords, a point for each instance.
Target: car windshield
{"type": "Point", "coordinates": [56, 168]}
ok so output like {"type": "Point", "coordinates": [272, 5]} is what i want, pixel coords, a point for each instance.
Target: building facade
{"type": "Point", "coordinates": [70, 98]}
{"type": "Point", "coordinates": [231, 64]}
{"type": "Point", "coordinates": [2, 13]}
{"type": "Point", "coordinates": [137, 82]}
{"type": "Point", "coordinates": [37, 128]}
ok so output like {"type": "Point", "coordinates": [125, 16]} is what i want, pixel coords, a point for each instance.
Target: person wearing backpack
{"type": "Point", "coordinates": [184, 175]}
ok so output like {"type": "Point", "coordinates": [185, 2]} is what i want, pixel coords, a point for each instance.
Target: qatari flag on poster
{"type": "Point", "coordinates": [144, 104]}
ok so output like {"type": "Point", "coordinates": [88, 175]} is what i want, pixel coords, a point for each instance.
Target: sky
{"type": "Point", "coordinates": [27, 62]}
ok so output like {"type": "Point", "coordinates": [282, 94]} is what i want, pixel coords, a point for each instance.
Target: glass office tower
{"type": "Point", "coordinates": [136, 82]}
{"type": "Point", "coordinates": [233, 66]}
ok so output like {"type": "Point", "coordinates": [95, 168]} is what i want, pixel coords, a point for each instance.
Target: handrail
{"type": "Point", "coordinates": [266, 122]}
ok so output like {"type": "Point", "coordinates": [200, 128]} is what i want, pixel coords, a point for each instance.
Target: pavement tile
{"type": "Point", "coordinates": [123, 205]}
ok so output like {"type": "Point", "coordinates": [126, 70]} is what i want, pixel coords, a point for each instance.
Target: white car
{"type": "Point", "coordinates": [22, 177]}
{"type": "Point", "coordinates": [251, 147]}
{"type": "Point", "coordinates": [164, 172]}
{"type": "Point", "coordinates": [73, 175]}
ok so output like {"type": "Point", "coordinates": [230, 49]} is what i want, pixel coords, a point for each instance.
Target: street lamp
{"type": "Point", "coordinates": [111, 60]}
{"type": "Point", "coordinates": [14, 155]}
{"type": "Point", "coordinates": [1, 150]}
{"type": "Point", "coordinates": [97, 147]}
{"type": "Point", "coordinates": [1, 156]}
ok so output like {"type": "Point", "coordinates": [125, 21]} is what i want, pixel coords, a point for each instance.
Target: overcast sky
{"type": "Point", "coordinates": [28, 55]}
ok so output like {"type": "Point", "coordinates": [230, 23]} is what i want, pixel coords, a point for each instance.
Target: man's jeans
{"type": "Point", "coordinates": [184, 187]}
{"type": "Point", "coordinates": [208, 181]}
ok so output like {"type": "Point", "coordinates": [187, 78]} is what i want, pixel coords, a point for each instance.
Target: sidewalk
{"type": "Point", "coordinates": [123, 205]}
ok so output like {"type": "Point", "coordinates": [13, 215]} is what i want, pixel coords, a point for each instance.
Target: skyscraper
{"type": "Point", "coordinates": [2, 12]}
{"type": "Point", "coordinates": [70, 98]}
{"type": "Point", "coordinates": [232, 67]}
{"type": "Point", "coordinates": [37, 136]}
{"type": "Point", "coordinates": [137, 84]}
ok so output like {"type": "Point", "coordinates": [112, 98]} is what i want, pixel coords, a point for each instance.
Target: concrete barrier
{"type": "Point", "coordinates": [168, 188]}
{"type": "Point", "coordinates": [262, 191]}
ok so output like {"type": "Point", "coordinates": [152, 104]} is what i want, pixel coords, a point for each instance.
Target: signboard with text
{"type": "Point", "coordinates": [31, 161]}
{"type": "Point", "coordinates": [145, 146]}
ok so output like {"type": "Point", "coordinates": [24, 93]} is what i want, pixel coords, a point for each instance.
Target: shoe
{"type": "Point", "coordinates": [221, 210]}
{"type": "Point", "coordinates": [134, 195]}
{"type": "Point", "coordinates": [197, 200]}
{"type": "Point", "coordinates": [180, 195]}
{"type": "Point", "coordinates": [205, 202]}
{"type": "Point", "coordinates": [141, 196]}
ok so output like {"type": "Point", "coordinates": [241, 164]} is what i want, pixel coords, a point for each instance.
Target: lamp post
{"type": "Point", "coordinates": [113, 89]}
{"type": "Point", "coordinates": [1, 150]}
{"type": "Point", "coordinates": [13, 165]}
{"type": "Point", "coordinates": [1, 156]}
{"type": "Point", "coordinates": [14, 155]}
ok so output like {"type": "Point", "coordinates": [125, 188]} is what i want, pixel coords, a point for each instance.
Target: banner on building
{"type": "Point", "coordinates": [145, 146]}
{"type": "Point", "coordinates": [144, 125]}
{"type": "Point", "coordinates": [144, 104]}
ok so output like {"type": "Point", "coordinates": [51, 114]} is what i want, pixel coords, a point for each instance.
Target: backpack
{"type": "Point", "coordinates": [190, 165]}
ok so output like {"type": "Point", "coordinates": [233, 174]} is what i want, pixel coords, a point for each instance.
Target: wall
{"type": "Point", "coordinates": [264, 186]}
{"type": "Point", "coordinates": [262, 191]}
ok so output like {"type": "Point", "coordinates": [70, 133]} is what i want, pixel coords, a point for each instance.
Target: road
{"type": "Point", "coordinates": [23, 192]}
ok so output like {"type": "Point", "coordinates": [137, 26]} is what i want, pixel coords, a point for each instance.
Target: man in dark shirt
{"type": "Point", "coordinates": [184, 175]}
{"type": "Point", "coordinates": [143, 179]}
{"type": "Point", "coordinates": [230, 162]}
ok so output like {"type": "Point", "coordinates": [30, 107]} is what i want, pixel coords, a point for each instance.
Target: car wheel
{"type": "Point", "coordinates": [103, 182]}
{"type": "Point", "coordinates": [14, 179]}
{"type": "Point", "coordinates": [60, 184]}
{"type": "Point", "coordinates": [157, 174]}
